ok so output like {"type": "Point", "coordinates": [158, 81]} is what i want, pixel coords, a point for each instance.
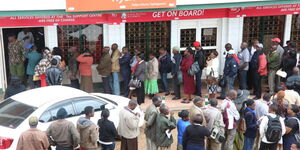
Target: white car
{"type": "Point", "coordinates": [44, 103]}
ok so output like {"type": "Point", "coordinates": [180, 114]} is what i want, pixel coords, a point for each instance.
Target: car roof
{"type": "Point", "coordinates": [39, 96]}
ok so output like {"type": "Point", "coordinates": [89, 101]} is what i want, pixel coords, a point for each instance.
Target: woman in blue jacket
{"type": "Point", "coordinates": [181, 125]}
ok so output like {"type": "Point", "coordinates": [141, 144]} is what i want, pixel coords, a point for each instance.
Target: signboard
{"type": "Point", "coordinates": [102, 5]}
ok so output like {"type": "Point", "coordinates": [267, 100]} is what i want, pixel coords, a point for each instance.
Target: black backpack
{"type": "Point", "coordinates": [274, 130]}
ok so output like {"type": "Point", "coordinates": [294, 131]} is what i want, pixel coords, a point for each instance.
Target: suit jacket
{"type": "Point", "coordinates": [196, 110]}
{"type": "Point", "coordinates": [150, 116]}
{"type": "Point", "coordinates": [125, 64]}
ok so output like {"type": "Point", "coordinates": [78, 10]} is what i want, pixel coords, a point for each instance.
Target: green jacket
{"type": "Point", "coordinates": [163, 124]}
{"type": "Point", "coordinates": [104, 66]}
{"type": "Point", "coordinates": [150, 116]}
{"type": "Point", "coordinates": [273, 61]}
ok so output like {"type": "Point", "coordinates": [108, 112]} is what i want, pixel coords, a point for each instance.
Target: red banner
{"type": "Point", "coordinates": [116, 18]}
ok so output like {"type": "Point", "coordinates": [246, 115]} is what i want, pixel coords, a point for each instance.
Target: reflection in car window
{"type": "Point", "coordinates": [13, 113]}
{"type": "Point", "coordinates": [50, 113]}
{"type": "Point", "coordinates": [81, 103]}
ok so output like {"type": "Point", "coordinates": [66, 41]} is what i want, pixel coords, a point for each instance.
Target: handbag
{"type": "Point", "coordinates": [179, 77]}
{"type": "Point", "coordinates": [134, 82]}
{"type": "Point", "coordinates": [194, 68]}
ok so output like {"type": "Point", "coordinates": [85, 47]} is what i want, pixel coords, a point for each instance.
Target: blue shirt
{"type": "Point", "coordinates": [33, 59]}
{"type": "Point", "coordinates": [181, 125]}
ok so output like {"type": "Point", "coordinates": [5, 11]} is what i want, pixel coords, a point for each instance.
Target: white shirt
{"type": "Point", "coordinates": [261, 108]}
{"type": "Point", "coordinates": [232, 112]}
{"type": "Point", "coordinates": [213, 65]}
{"type": "Point", "coordinates": [252, 51]}
{"type": "Point", "coordinates": [264, 126]}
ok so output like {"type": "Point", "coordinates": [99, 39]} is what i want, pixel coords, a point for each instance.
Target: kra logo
{"type": "Point", "coordinates": [121, 1]}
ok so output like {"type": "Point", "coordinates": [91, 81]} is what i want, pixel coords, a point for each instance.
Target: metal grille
{"type": "Point", "coordinates": [263, 28]}
{"type": "Point", "coordinates": [295, 33]}
{"type": "Point", "coordinates": [85, 37]}
{"type": "Point", "coordinates": [209, 37]}
{"type": "Point", "coordinates": [149, 36]}
{"type": "Point", "coordinates": [187, 37]}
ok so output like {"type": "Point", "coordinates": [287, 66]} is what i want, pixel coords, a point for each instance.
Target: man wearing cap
{"type": "Point", "coordinates": [62, 133]}
{"type": "Point", "coordinates": [176, 60]}
{"type": "Point", "coordinates": [273, 59]}
{"type": "Point", "coordinates": [33, 139]}
{"type": "Point", "coordinates": [259, 69]}
{"type": "Point", "coordinates": [279, 50]}
{"type": "Point", "coordinates": [244, 57]}
{"type": "Point", "coordinates": [229, 73]}
{"type": "Point", "coordinates": [200, 58]}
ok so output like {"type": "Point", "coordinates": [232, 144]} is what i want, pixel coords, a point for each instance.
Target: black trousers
{"type": "Point", "coordinates": [250, 78]}
{"type": "Point", "coordinates": [140, 93]}
{"type": "Point", "coordinates": [75, 84]}
{"type": "Point", "coordinates": [265, 146]}
{"type": "Point", "coordinates": [256, 84]}
{"type": "Point", "coordinates": [176, 86]}
{"type": "Point", "coordinates": [106, 85]}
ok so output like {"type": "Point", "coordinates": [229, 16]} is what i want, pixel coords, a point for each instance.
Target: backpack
{"type": "Point", "coordinates": [274, 130]}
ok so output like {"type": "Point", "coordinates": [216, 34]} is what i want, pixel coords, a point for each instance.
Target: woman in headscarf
{"type": "Point", "coordinates": [42, 66]}
{"type": "Point", "coordinates": [85, 69]}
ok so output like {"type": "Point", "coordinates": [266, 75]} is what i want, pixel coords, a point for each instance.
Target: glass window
{"type": "Point", "coordinates": [13, 113]}
{"type": "Point", "coordinates": [187, 37]}
{"type": "Point", "coordinates": [82, 36]}
{"type": "Point", "coordinates": [81, 103]}
{"type": "Point", "coordinates": [209, 37]}
{"type": "Point", "coordinates": [50, 113]}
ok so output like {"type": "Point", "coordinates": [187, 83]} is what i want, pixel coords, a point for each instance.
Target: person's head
{"type": "Point", "coordinates": [162, 50]}
{"type": "Point", "coordinates": [105, 50]}
{"type": "Point", "coordinates": [156, 100]}
{"type": "Point", "coordinates": [292, 54]}
{"type": "Point", "coordinates": [125, 50]}
{"type": "Point", "coordinates": [33, 121]}
{"type": "Point", "coordinates": [198, 101]}
{"type": "Point", "coordinates": [250, 103]}
{"type": "Point", "coordinates": [114, 46]}
{"type": "Point", "coordinates": [244, 45]}
{"type": "Point", "coordinates": [213, 102]}
{"type": "Point", "coordinates": [280, 95]}
{"type": "Point", "coordinates": [175, 50]}
{"type": "Point", "coordinates": [151, 55]}
{"type": "Point", "coordinates": [197, 45]}
{"type": "Point", "coordinates": [296, 70]}
{"type": "Point", "coordinates": [141, 57]}
{"type": "Point", "coordinates": [12, 37]}
{"type": "Point", "coordinates": [213, 54]}
{"type": "Point", "coordinates": [228, 47]}
{"type": "Point", "coordinates": [57, 51]}
{"type": "Point", "coordinates": [197, 119]}
{"type": "Point", "coordinates": [137, 51]}
{"type": "Point", "coordinates": [276, 41]}
{"type": "Point", "coordinates": [259, 47]}
{"type": "Point", "coordinates": [61, 113]}
{"type": "Point", "coordinates": [288, 42]}
{"type": "Point", "coordinates": [255, 42]}
{"type": "Point", "coordinates": [132, 104]}
{"type": "Point", "coordinates": [73, 49]}
{"type": "Point", "coordinates": [188, 51]}
{"type": "Point", "coordinates": [105, 113]}
{"type": "Point", "coordinates": [54, 62]}
{"type": "Point", "coordinates": [274, 47]}
{"type": "Point", "coordinates": [295, 146]}
{"type": "Point", "coordinates": [89, 111]}
{"type": "Point", "coordinates": [292, 110]}
{"type": "Point", "coordinates": [164, 109]}
{"type": "Point", "coordinates": [273, 108]}
{"type": "Point", "coordinates": [184, 115]}
{"type": "Point", "coordinates": [267, 97]}
{"type": "Point", "coordinates": [232, 94]}
{"type": "Point", "coordinates": [25, 30]}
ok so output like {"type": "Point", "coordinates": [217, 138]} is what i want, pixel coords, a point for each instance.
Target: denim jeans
{"type": "Point", "coordinates": [229, 85]}
{"type": "Point", "coordinates": [243, 79]}
{"type": "Point", "coordinates": [164, 78]}
{"type": "Point", "coordinates": [108, 147]}
{"type": "Point", "coordinates": [116, 83]}
{"type": "Point", "coordinates": [248, 143]}
{"type": "Point", "coordinates": [198, 82]}
{"type": "Point", "coordinates": [106, 85]}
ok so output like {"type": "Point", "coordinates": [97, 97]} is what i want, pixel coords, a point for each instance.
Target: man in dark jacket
{"type": "Point", "coordinates": [175, 69]}
{"type": "Point", "coordinates": [54, 74]}
{"type": "Point", "coordinates": [229, 73]}
{"type": "Point", "coordinates": [200, 58]}
{"type": "Point", "coordinates": [104, 69]}
{"type": "Point", "coordinates": [125, 69]}
{"type": "Point", "coordinates": [15, 86]}
{"type": "Point", "coordinates": [164, 68]}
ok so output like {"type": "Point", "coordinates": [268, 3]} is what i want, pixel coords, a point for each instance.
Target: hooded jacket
{"type": "Point", "coordinates": [88, 133]}
{"type": "Point", "coordinates": [54, 75]}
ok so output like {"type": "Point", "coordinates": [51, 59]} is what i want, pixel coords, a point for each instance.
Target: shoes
{"type": "Point", "coordinates": [175, 98]}
{"type": "Point", "coordinates": [220, 97]}
{"type": "Point", "coordinates": [167, 93]}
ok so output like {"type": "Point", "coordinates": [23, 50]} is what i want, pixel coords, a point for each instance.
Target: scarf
{"type": "Point", "coordinates": [161, 56]}
{"type": "Point", "coordinates": [252, 111]}
{"type": "Point", "coordinates": [135, 66]}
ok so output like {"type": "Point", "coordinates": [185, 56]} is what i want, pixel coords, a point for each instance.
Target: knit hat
{"type": "Point", "coordinates": [196, 44]}
{"type": "Point", "coordinates": [33, 121]}
{"type": "Point", "coordinates": [176, 48]}
{"type": "Point", "coordinates": [61, 113]}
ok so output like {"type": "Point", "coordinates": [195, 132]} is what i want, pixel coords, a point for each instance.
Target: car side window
{"type": "Point", "coordinates": [51, 112]}
{"type": "Point", "coordinates": [81, 103]}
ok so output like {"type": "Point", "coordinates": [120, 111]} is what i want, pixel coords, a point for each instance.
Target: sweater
{"type": "Point", "coordinates": [107, 130]}
{"type": "Point", "coordinates": [251, 124]}
{"type": "Point", "coordinates": [128, 124]}
{"type": "Point", "coordinates": [195, 135]}
{"type": "Point", "coordinates": [104, 66]}
{"type": "Point", "coordinates": [163, 123]}
{"type": "Point", "coordinates": [85, 66]}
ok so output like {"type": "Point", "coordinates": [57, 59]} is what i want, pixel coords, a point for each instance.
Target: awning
{"type": "Point", "coordinates": [116, 18]}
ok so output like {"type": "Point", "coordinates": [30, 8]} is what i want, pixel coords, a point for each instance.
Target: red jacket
{"type": "Point", "coordinates": [262, 68]}
{"type": "Point", "coordinates": [85, 65]}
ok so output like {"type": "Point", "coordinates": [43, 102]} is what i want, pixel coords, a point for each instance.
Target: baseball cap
{"type": "Point", "coordinates": [276, 40]}
{"type": "Point", "coordinates": [260, 45]}
{"type": "Point", "coordinates": [196, 44]}
{"type": "Point", "coordinates": [33, 121]}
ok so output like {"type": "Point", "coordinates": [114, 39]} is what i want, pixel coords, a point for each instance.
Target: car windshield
{"type": "Point", "coordinates": [13, 113]}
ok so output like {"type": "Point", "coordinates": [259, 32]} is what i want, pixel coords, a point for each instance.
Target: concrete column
{"type": "Point", "coordinates": [51, 39]}
{"type": "Point", "coordinates": [235, 32]}
{"type": "Point", "coordinates": [114, 34]}
{"type": "Point", "coordinates": [287, 29]}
